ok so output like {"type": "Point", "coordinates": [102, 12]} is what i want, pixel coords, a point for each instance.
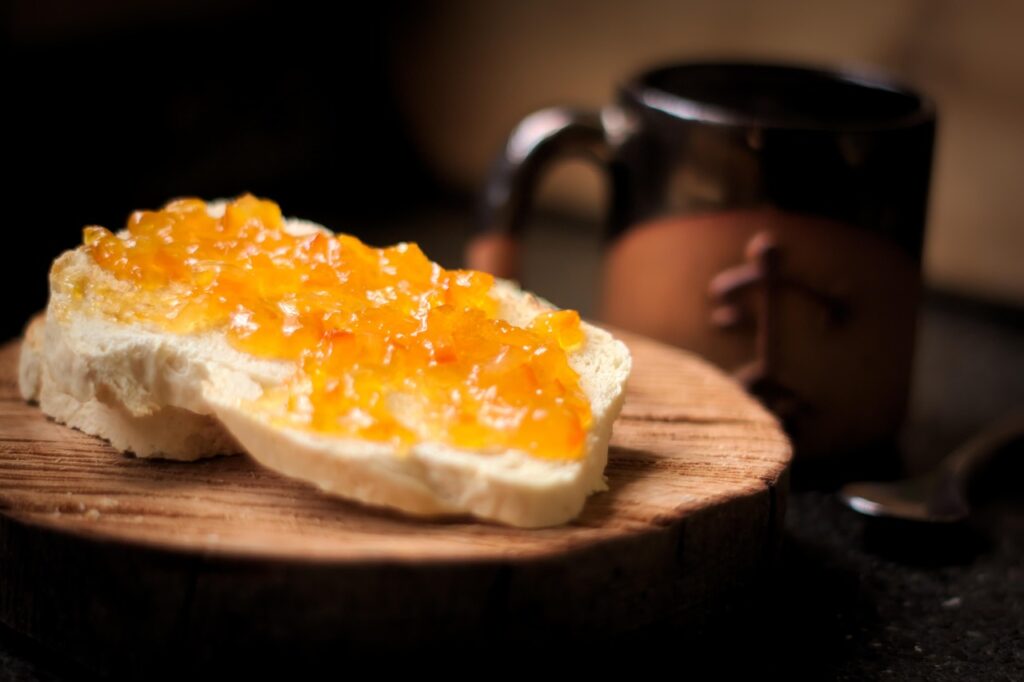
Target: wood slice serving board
{"type": "Point", "coordinates": [120, 562]}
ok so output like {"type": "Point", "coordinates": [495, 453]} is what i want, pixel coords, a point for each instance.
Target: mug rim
{"type": "Point", "coordinates": [641, 91]}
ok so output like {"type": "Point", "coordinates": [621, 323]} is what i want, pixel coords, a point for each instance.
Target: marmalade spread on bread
{"type": "Point", "coordinates": [388, 345]}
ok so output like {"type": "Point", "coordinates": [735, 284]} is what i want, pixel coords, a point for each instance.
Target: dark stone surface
{"type": "Point", "coordinates": [865, 599]}
{"type": "Point", "coordinates": [861, 602]}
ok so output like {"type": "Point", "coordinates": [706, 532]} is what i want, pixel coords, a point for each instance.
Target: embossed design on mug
{"type": "Point", "coordinates": [763, 276]}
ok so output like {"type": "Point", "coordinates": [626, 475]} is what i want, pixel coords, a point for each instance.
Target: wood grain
{"type": "Point", "coordinates": [204, 556]}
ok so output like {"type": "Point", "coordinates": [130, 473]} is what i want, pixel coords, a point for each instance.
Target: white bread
{"type": "Point", "coordinates": [186, 396]}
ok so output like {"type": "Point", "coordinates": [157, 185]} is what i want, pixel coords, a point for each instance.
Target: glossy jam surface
{"type": "Point", "coordinates": [388, 346]}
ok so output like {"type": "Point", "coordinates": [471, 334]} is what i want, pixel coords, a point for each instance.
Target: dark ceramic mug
{"type": "Point", "coordinates": [768, 217]}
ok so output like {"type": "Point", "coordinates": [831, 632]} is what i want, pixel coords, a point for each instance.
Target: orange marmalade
{"type": "Point", "coordinates": [388, 346]}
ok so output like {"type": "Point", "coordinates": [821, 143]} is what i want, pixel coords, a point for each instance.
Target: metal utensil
{"type": "Point", "coordinates": [939, 496]}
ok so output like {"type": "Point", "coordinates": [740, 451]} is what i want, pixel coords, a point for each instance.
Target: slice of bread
{"type": "Point", "coordinates": [185, 396]}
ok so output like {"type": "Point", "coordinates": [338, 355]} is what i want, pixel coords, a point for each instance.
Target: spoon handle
{"type": "Point", "coordinates": [963, 464]}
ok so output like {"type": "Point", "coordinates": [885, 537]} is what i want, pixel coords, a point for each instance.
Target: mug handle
{"type": "Point", "coordinates": [541, 138]}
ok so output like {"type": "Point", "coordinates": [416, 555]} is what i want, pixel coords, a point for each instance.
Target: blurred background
{"type": "Point", "coordinates": [384, 121]}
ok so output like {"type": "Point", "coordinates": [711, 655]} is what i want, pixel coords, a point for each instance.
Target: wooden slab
{"type": "Point", "coordinates": [117, 561]}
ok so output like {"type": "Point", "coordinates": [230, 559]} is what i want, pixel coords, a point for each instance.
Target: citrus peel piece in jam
{"type": "Point", "coordinates": [388, 346]}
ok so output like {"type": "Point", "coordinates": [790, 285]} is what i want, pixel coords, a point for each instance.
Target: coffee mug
{"type": "Point", "coordinates": [768, 217]}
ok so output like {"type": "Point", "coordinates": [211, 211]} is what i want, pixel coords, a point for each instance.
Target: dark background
{"type": "Point", "coordinates": [107, 113]}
